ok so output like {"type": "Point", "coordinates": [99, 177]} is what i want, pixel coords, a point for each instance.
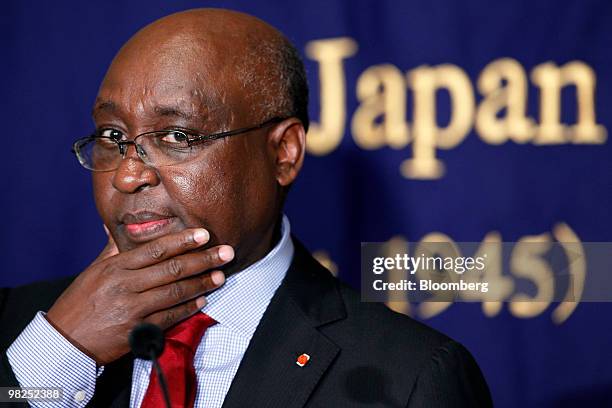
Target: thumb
{"type": "Point", "coordinates": [110, 249]}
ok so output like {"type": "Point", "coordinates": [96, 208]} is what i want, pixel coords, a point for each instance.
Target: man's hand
{"type": "Point", "coordinates": [157, 282]}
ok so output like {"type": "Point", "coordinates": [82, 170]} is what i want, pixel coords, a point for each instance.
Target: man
{"type": "Point", "coordinates": [201, 123]}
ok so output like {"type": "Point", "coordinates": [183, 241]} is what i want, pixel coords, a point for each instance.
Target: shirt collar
{"type": "Point", "coordinates": [240, 303]}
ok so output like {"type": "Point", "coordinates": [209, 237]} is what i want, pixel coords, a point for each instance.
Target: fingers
{"type": "Point", "coordinates": [172, 294]}
{"type": "Point", "coordinates": [181, 267]}
{"type": "Point", "coordinates": [165, 247]}
{"type": "Point", "coordinates": [172, 316]}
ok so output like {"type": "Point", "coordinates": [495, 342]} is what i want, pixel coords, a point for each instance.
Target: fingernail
{"type": "Point", "coordinates": [217, 277]}
{"type": "Point", "coordinates": [226, 253]}
{"type": "Point", "coordinates": [201, 235]}
{"type": "Point", "coordinates": [201, 302]}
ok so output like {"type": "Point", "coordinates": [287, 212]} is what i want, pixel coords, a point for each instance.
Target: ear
{"type": "Point", "coordinates": [287, 144]}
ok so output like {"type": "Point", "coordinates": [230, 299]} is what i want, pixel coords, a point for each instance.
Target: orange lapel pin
{"type": "Point", "coordinates": [302, 360]}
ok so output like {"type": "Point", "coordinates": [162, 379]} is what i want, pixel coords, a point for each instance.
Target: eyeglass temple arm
{"type": "Point", "coordinates": [234, 132]}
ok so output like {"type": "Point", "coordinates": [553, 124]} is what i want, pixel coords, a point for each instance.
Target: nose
{"type": "Point", "coordinates": [133, 175]}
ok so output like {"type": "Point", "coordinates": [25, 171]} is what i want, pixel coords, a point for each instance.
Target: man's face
{"type": "Point", "coordinates": [229, 187]}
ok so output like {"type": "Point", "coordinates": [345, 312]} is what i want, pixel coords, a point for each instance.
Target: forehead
{"type": "Point", "coordinates": [178, 102]}
{"type": "Point", "coordinates": [168, 79]}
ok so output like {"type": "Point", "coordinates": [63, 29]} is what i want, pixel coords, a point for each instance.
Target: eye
{"type": "Point", "coordinates": [112, 133]}
{"type": "Point", "coordinates": [175, 137]}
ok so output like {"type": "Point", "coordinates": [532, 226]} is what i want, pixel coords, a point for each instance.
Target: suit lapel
{"type": "Point", "coordinates": [268, 375]}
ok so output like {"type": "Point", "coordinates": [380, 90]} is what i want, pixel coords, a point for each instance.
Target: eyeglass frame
{"type": "Point", "coordinates": [190, 141]}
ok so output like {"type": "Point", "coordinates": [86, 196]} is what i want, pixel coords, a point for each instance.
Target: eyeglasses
{"type": "Point", "coordinates": [104, 150]}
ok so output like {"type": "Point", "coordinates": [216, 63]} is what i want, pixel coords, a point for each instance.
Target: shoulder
{"type": "Point", "coordinates": [19, 305]}
{"type": "Point", "coordinates": [376, 325]}
{"type": "Point", "coordinates": [398, 356]}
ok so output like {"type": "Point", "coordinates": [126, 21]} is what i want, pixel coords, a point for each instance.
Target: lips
{"type": "Point", "coordinates": [146, 225]}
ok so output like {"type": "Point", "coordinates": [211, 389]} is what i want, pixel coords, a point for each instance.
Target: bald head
{"type": "Point", "coordinates": [228, 58]}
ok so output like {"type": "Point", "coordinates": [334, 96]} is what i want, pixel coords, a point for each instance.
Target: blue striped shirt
{"type": "Point", "coordinates": [42, 357]}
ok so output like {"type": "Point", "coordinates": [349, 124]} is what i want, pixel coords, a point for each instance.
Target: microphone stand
{"type": "Point", "coordinates": [162, 379]}
{"type": "Point", "coordinates": [147, 342]}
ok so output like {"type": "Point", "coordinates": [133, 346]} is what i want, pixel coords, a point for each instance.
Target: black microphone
{"type": "Point", "coordinates": [147, 342]}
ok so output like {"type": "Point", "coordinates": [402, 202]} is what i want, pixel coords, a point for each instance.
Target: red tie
{"type": "Point", "coordinates": [177, 364]}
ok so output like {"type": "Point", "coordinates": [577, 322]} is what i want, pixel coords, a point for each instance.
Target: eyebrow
{"type": "Point", "coordinates": [173, 111]}
{"type": "Point", "coordinates": [161, 110]}
{"type": "Point", "coordinates": [104, 106]}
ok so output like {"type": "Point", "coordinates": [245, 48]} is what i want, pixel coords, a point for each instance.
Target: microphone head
{"type": "Point", "coordinates": [146, 338]}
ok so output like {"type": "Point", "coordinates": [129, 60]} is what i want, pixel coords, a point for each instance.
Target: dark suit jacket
{"type": "Point", "coordinates": [362, 354]}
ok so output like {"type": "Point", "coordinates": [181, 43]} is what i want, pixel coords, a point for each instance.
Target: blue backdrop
{"type": "Point", "coordinates": [404, 179]}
